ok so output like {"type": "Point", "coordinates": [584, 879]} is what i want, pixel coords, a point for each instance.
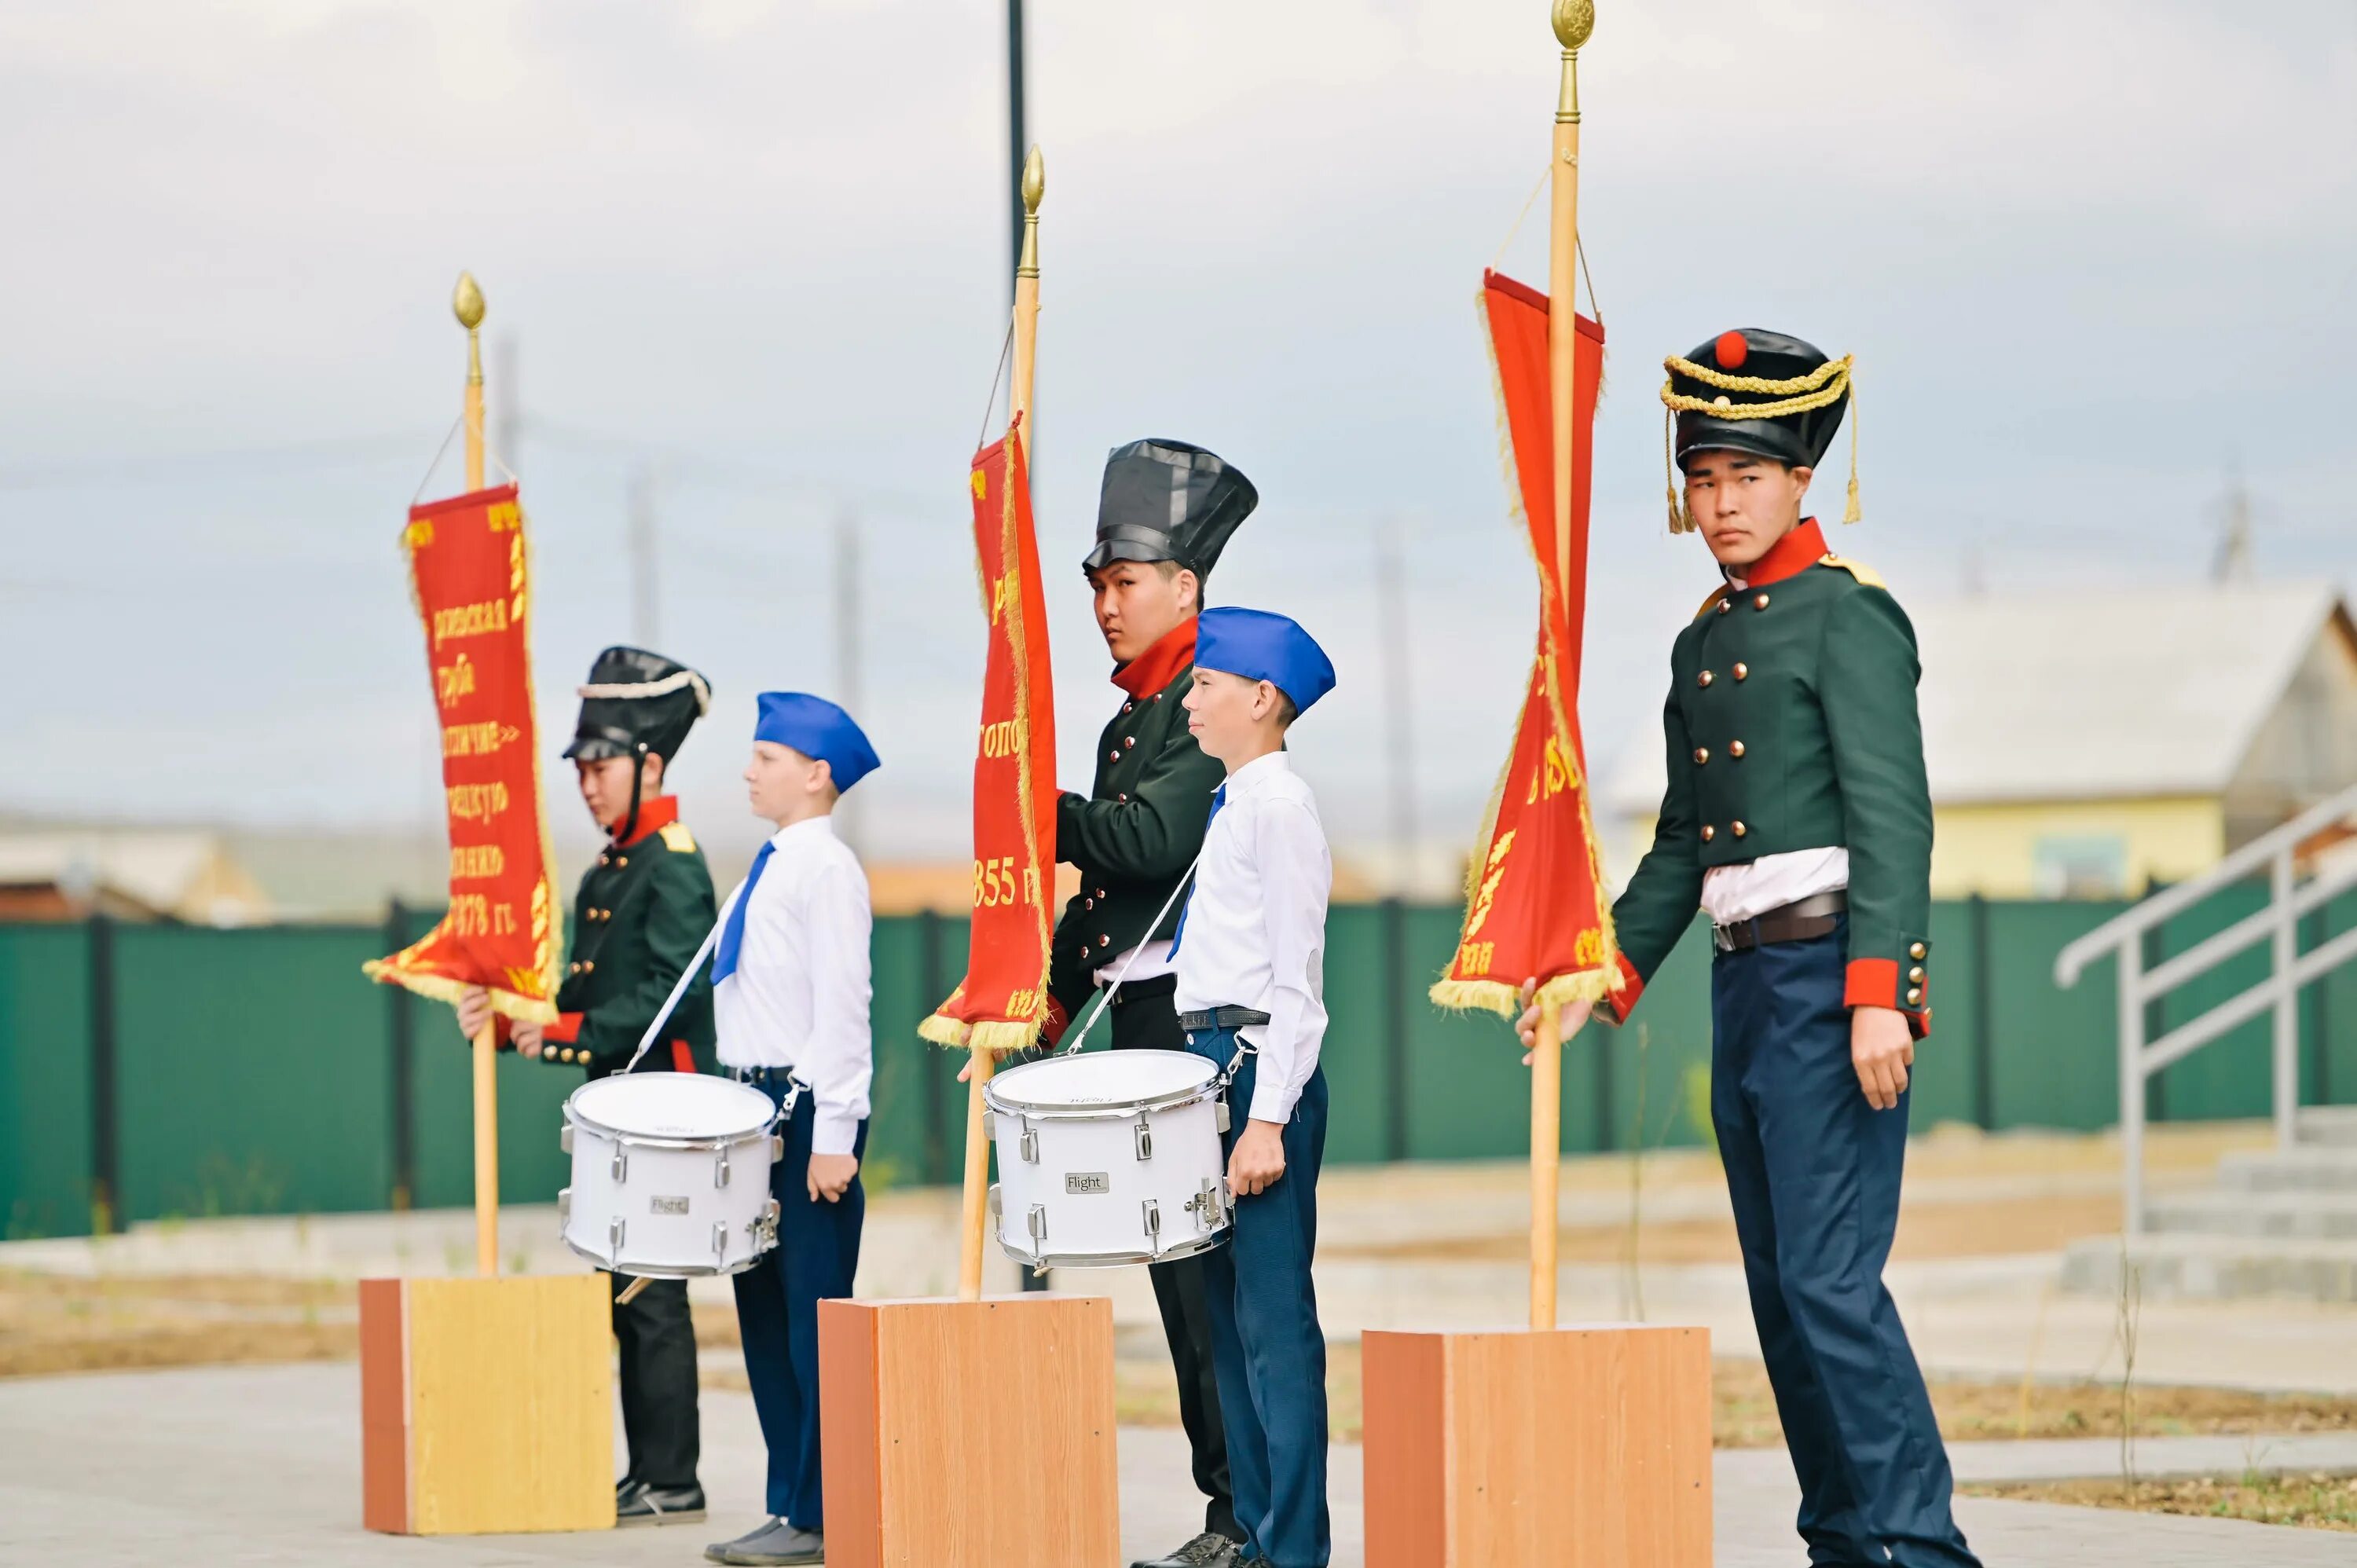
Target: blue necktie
{"type": "Point", "coordinates": [732, 935]}
{"type": "Point", "coordinates": [1218, 798]}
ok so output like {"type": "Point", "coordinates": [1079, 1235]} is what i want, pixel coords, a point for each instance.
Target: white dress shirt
{"type": "Point", "coordinates": [798, 997]}
{"type": "Point", "coordinates": [1255, 926]}
{"type": "Point", "coordinates": [1745, 892]}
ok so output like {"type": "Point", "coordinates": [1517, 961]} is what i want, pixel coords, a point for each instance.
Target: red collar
{"type": "Point", "coordinates": [653, 817]}
{"type": "Point", "coordinates": [1789, 556]}
{"type": "Point", "coordinates": [1159, 665]}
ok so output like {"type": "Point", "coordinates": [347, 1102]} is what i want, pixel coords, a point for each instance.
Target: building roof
{"type": "Point", "coordinates": [2082, 695]}
{"type": "Point", "coordinates": [172, 872]}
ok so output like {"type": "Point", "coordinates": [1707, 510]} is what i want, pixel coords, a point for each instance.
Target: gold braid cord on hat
{"type": "Point", "coordinates": [1820, 388]}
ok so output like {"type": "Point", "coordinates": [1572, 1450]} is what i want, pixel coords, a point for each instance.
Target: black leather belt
{"type": "Point", "coordinates": [1222, 1018]}
{"type": "Point", "coordinates": [1144, 990]}
{"type": "Point", "coordinates": [1804, 920]}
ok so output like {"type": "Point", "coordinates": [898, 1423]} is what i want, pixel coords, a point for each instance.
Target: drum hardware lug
{"type": "Point", "coordinates": [564, 1207]}
{"type": "Point", "coordinates": [1144, 1133]}
{"type": "Point", "coordinates": [565, 1139]}
{"type": "Point", "coordinates": [1036, 1223]}
{"type": "Point", "coordinates": [1206, 1205]}
{"type": "Point", "coordinates": [720, 1169]}
{"type": "Point", "coordinates": [613, 1237]}
{"type": "Point", "coordinates": [765, 1228]}
{"type": "Point", "coordinates": [1152, 1225]}
{"type": "Point", "coordinates": [621, 1167]}
{"type": "Point", "coordinates": [1224, 1118]}
{"type": "Point", "coordinates": [1028, 1144]}
{"type": "Point", "coordinates": [777, 1147]}
{"type": "Point", "coordinates": [998, 1208]}
{"type": "Point", "coordinates": [720, 1238]}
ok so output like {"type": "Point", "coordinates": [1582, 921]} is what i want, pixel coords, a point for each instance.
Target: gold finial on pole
{"type": "Point", "coordinates": [1573, 21]}
{"type": "Point", "coordinates": [1035, 186]}
{"type": "Point", "coordinates": [467, 305]}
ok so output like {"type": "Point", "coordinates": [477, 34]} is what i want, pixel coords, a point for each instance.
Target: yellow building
{"type": "Point", "coordinates": [2086, 745]}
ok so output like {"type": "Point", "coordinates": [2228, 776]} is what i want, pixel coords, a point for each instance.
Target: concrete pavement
{"type": "Point", "coordinates": [203, 1469]}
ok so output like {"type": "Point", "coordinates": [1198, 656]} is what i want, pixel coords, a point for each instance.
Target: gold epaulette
{"type": "Point", "coordinates": [1858, 569]}
{"type": "Point", "coordinates": [1710, 604]}
{"type": "Point", "coordinates": [677, 837]}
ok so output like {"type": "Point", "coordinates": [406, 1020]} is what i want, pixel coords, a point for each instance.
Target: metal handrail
{"type": "Point", "coordinates": [2122, 939]}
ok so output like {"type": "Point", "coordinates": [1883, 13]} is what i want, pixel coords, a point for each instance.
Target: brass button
{"type": "Point", "coordinates": [1734, 748]}
{"type": "Point", "coordinates": [1741, 670]}
{"type": "Point", "coordinates": [621, 860]}
{"type": "Point", "coordinates": [1127, 741]}
{"type": "Point", "coordinates": [1701, 754]}
{"type": "Point", "coordinates": [1088, 903]}
{"type": "Point", "coordinates": [1127, 706]}
{"type": "Point", "coordinates": [1914, 996]}
{"type": "Point", "coordinates": [1103, 941]}
{"type": "Point", "coordinates": [1739, 829]}
{"type": "Point", "coordinates": [1915, 951]}
{"type": "Point", "coordinates": [588, 966]}
{"type": "Point", "coordinates": [1708, 832]}
{"type": "Point", "coordinates": [605, 860]}
{"type": "Point", "coordinates": [572, 968]}
{"type": "Point", "coordinates": [1760, 602]}
{"type": "Point", "coordinates": [1123, 798]}
{"type": "Point", "coordinates": [1101, 892]}
{"type": "Point", "coordinates": [1112, 756]}
{"type": "Point", "coordinates": [1726, 605]}
{"type": "Point", "coordinates": [1915, 976]}
{"type": "Point", "coordinates": [1704, 679]}
{"type": "Point", "coordinates": [569, 1054]}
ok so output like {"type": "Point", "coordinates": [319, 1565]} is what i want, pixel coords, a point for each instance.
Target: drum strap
{"type": "Point", "coordinates": [686, 978]}
{"type": "Point", "coordinates": [1081, 1035]}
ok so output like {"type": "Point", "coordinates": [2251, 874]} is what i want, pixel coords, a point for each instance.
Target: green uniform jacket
{"type": "Point", "coordinates": [642, 910]}
{"type": "Point", "coordinates": [1139, 828]}
{"type": "Point", "coordinates": [1790, 725]}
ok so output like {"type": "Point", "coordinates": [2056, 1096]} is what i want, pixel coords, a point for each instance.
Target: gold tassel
{"type": "Point", "coordinates": [1680, 522]}
{"type": "Point", "coordinates": [1851, 513]}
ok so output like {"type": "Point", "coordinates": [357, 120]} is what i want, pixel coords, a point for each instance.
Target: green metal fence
{"type": "Point", "coordinates": [148, 1071]}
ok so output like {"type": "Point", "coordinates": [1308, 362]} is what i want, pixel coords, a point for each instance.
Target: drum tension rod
{"type": "Point", "coordinates": [1143, 1131]}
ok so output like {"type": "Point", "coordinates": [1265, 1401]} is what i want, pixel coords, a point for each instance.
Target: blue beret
{"type": "Point", "coordinates": [817, 728]}
{"type": "Point", "coordinates": [1260, 646]}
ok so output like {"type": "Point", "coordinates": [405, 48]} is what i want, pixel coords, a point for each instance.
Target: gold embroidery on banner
{"type": "Point", "coordinates": [478, 619]}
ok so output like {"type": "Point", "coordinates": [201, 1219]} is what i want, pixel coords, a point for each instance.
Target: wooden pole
{"type": "Point", "coordinates": [1573, 20]}
{"type": "Point", "coordinates": [973, 1219]}
{"type": "Point", "coordinates": [466, 303]}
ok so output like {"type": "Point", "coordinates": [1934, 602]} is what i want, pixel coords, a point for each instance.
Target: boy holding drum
{"type": "Point", "coordinates": [791, 985]}
{"type": "Point", "coordinates": [1250, 953]}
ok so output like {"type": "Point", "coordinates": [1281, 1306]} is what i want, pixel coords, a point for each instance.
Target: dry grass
{"type": "Point", "coordinates": [2312, 1501]}
{"type": "Point", "coordinates": [56, 1323]}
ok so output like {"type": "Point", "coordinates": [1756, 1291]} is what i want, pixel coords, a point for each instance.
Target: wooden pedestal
{"type": "Point", "coordinates": [486, 1405]}
{"type": "Point", "coordinates": [1582, 1447]}
{"type": "Point", "coordinates": [969, 1432]}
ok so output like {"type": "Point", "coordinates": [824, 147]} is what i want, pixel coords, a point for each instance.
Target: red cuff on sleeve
{"type": "Point", "coordinates": [683, 1057]}
{"type": "Point", "coordinates": [564, 1031]}
{"type": "Point", "coordinates": [1872, 982]}
{"type": "Point", "coordinates": [1058, 1021]}
{"type": "Point", "coordinates": [1616, 1003]}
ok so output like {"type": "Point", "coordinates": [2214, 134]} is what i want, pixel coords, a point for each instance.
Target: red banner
{"type": "Point", "coordinates": [1534, 904]}
{"type": "Point", "coordinates": [469, 577]}
{"type": "Point", "coordinates": [1003, 1000]}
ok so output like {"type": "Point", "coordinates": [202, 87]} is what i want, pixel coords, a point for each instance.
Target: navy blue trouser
{"type": "Point", "coordinates": [1814, 1171]}
{"type": "Point", "coordinates": [777, 1311]}
{"type": "Point", "coordinates": [1267, 1347]}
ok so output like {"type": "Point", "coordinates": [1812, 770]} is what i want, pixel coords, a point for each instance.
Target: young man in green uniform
{"type": "Point", "coordinates": [644, 908]}
{"type": "Point", "coordinates": [1165, 510]}
{"type": "Point", "coordinates": [1797, 818]}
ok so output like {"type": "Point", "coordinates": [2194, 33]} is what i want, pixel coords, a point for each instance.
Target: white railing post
{"type": "Point", "coordinates": [2286, 1009]}
{"type": "Point", "coordinates": [2128, 959]}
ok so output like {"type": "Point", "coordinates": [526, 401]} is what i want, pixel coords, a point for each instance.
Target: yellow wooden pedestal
{"type": "Point", "coordinates": [486, 1405]}
{"type": "Point", "coordinates": [971, 1431]}
{"type": "Point", "coordinates": [1585, 1447]}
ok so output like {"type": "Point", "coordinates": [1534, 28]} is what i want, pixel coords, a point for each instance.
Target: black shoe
{"type": "Point", "coordinates": [643, 1504]}
{"type": "Point", "coordinates": [773, 1543]}
{"type": "Point", "coordinates": [1209, 1550]}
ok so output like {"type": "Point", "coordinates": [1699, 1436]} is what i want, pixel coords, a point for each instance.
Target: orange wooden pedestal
{"type": "Point", "coordinates": [1584, 1447]}
{"type": "Point", "coordinates": [486, 1405]}
{"type": "Point", "coordinates": [975, 1431]}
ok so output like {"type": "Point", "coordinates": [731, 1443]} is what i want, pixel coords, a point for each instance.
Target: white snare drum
{"type": "Point", "coordinates": [671, 1174]}
{"type": "Point", "coordinates": [1109, 1157]}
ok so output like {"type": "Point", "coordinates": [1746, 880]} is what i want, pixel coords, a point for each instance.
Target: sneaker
{"type": "Point", "coordinates": [1209, 1550]}
{"type": "Point", "coordinates": [773, 1543]}
{"type": "Point", "coordinates": [642, 1504]}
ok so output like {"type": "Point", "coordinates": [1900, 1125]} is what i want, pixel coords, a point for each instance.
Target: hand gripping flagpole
{"type": "Point", "coordinates": [467, 304]}
{"type": "Point", "coordinates": [973, 1215]}
{"type": "Point", "coordinates": [1573, 21]}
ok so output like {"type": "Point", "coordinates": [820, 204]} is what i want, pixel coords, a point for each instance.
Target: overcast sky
{"type": "Point", "coordinates": [2089, 254]}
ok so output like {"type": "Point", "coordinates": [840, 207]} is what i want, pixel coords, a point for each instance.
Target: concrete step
{"type": "Point", "coordinates": [2215, 1267]}
{"type": "Point", "coordinates": [2303, 1167]}
{"type": "Point", "coordinates": [2330, 1126]}
{"type": "Point", "coordinates": [2326, 1216]}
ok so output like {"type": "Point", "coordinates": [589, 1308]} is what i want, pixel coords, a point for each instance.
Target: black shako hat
{"type": "Point", "coordinates": [1761, 392]}
{"type": "Point", "coordinates": [637, 702]}
{"type": "Point", "coordinates": [1166, 501]}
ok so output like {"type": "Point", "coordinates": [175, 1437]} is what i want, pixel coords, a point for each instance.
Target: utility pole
{"type": "Point", "coordinates": [847, 648]}
{"type": "Point", "coordinates": [2234, 557]}
{"type": "Point", "coordinates": [644, 629]}
{"type": "Point", "coordinates": [1399, 698]}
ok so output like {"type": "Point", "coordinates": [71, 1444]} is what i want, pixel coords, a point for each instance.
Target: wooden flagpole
{"type": "Point", "coordinates": [1573, 21]}
{"type": "Point", "coordinates": [466, 303]}
{"type": "Point", "coordinates": [974, 1219]}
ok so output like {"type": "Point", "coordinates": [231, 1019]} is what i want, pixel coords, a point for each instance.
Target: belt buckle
{"type": "Point", "coordinates": [1723, 937]}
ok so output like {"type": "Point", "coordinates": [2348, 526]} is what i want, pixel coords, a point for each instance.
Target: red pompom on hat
{"type": "Point", "coordinates": [1731, 350]}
